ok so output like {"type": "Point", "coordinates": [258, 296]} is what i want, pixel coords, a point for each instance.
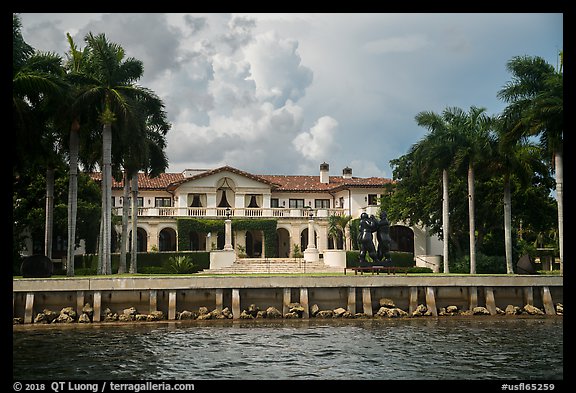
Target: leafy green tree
{"type": "Point", "coordinates": [28, 209]}
{"type": "Point", "coordinates": [38, 88]}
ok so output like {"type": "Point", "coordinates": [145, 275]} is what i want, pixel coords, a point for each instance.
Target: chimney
{"type": "Point", "coordinates": [347, 173]}
{"type": "Point", "coordinates": [324, 170]}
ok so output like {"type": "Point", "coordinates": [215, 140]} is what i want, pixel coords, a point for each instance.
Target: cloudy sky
{"type": "Point", "coordinates": [282, 93]}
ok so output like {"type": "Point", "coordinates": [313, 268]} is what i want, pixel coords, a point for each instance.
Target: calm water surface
{"type": "Point", "coordinates": [447, 348]}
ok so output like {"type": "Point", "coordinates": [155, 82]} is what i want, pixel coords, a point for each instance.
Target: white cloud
{"type": "Point", "coordinates": [276, 69]}
{"type": "Point", "coordinates": [318, 143]}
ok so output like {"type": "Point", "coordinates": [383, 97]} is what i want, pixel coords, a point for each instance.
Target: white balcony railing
{"type": "Point", "coordinates": [235, 212]}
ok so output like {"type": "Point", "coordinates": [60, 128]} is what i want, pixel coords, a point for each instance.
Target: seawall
{"type": "Point", "coordinates": [359, 293]}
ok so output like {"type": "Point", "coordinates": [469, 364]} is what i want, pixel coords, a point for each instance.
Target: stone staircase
{"type": "Point", "coordinates": [274, 266]}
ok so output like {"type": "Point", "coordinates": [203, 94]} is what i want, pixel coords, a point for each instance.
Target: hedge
{"type": "Point", "coordinates": [399, 258]}
{"type": "Point", "coordinates": [148, 262]}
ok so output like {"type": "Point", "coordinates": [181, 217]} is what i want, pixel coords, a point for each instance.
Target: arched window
{"type": "Point", "coordinates": [224, 189]}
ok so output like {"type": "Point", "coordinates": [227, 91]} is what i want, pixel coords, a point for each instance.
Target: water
{"type": "Point", "coordinates": [446, 348]}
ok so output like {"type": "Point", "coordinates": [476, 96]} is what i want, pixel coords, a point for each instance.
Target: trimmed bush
{"type": "Point", "coordinates": [159, 261]}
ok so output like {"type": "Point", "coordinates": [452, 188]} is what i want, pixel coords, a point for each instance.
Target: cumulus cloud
{"type": "Point", "coordinates": [318, 142]}
{"type": "Point", "coordinates": [276, 69]}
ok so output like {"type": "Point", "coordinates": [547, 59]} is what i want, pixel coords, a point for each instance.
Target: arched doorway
{"type": "Point", "coordinates": [283, 243]}
{"type": "Point", "coordinates": [254, 244]}
{"type": "Point", "coordinates": [402, 238]}
{"type": "Point", "coordinates": [141, 240]}
{"type": "Point", "coordinates": [167, 240]}
{"type": "Point", "coordinates": [197, 241]}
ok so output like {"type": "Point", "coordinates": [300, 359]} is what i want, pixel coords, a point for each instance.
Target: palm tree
{"type": "Point", "coordinates": [337, 227]}
{"type": "Point", "coordinates": [143, 150]}
{"type": "Point", "coordinates": [437, 151]}
{"type": "Point", "coordinates": [113, 88]}
{"type": "Point", "coordinates": [536, 92]}
{"type": "Point", "coordinates": [475, 127]}
{"type": "Point", "coordinates": [74, 67]}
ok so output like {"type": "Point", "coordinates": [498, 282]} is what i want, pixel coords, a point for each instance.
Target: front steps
{"type": "Point", "coordinates": [274, 266]}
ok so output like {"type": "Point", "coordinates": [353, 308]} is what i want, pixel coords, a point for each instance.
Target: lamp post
{"type": "Point", "coordinates": [311, 253]}
{"type": "Point", "coordinates": [228, 231]}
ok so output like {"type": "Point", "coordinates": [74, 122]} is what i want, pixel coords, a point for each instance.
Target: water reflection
{"type": "Point", "coordinates": [447, 348]}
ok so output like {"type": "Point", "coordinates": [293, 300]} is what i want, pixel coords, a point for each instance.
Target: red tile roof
{"type": "Point", "coordinates": [161, 182]}
{"type": "Point", "coordinates": [312, 183]}
{"type": "Point", "coordinates": [286, 183]}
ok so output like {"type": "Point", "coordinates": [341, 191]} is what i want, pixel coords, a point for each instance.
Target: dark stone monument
{"type": "Point", "coordinates": [525, 266]}
{"type": "Point", "coordinates": [384, 239]}
{"type": "Point", "coordinates": [36, 266]}
{"type": "Point", "coordinates": [366, 227]}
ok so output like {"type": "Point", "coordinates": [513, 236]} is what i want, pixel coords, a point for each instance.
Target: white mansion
{"type": "Point", "coordinates": [292, 201]}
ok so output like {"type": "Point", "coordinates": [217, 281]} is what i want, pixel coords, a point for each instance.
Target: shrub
{"type": "Point", "coordinates": [297, 253]}
{"type": "Point", "coordinates": [485, 264]}
{"type": "Point", "coordinates": [181, 264]}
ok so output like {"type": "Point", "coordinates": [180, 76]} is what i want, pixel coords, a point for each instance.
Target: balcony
{"type": "Point", "coordinates": [215, 212]}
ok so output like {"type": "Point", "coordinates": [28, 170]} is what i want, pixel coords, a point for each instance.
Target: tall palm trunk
{"type": "Point", "coordinates": [471, 219]}
{"type": "Point", "coordinates": [106, 239]}
{"type": "Point", "coordinates": [49, 212]}
{"type": "Point", "coordinates": [445, 218]}
{"type": "Point", "coordinates": [72, 195]}
{"type": "Point", "coordinates": [125, 211]}
{"type": "Point", "coordinates": [508, 225]}
{"type": "Point", "coordinates": [134, 203]}
{"type": "Point", "coordinates": [559, 169]}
